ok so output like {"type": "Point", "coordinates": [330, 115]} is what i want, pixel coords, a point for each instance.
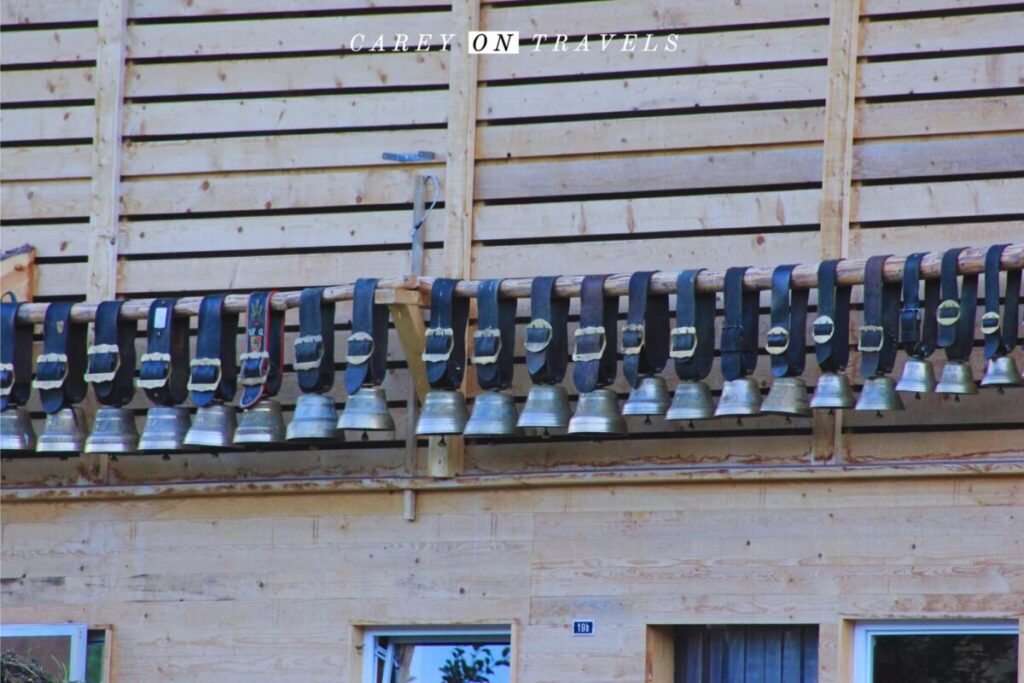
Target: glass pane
{"type": "Point", "coordinates": [52, 654]}
{"type": "Point", "coordinates": [448, 663]}
{"type": "Point", "coordinates": [947, 658]}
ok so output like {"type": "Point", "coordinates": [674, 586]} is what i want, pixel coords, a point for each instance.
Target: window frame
{"type": "Point", "coordinates": [426, 634]}
{"type": "Point", "coordinates": [79, 633]}
{"type": "Point", "coordinates": [864, 633]}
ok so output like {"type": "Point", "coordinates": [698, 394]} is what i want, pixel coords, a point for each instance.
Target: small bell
{"type": "Point", "coordinates": [1001, 371]}
{"type": "Point", "coordinates": [833, 392]}
{"type": "Point", "coordinates": [314, 419]}
{"type": "Point", "coordinates": [879, 395]}
{"type": "Point", "coordinates": [113, 431]}
{"type": "Point", "coordinates": [547, 406]}
{"type": "Point", "coordinates": [957, 379]}
{"type": "Point", "coordinates": [692, 401]}
{"type": "Point", "coordinates": [165, 429]}
{"type": "Point", "coordinates": [787, 396]}
{"type": "Point", "coordinates": [918, 377]}
{"type": "Point", "coordinates": [367, 410]}
{"type": "Point", "coordinates": [263, 423]}
{"type": "Point", "coordinates": [444, 412]}
{"type": "Point", "coordinates": [740, 398]}
{"type": "Point", "coordinates": [214, 427]}
{"type": "Point", "coordinates": [494, 414]}
{"type": "Point", "coordinates": [650, 397]}
{"type": "Point", "coordinates": [16, 432]}
{"type": "Point", "coordinates": [597, 412]}
{"type": "Point", "coordinates": [64, 432]}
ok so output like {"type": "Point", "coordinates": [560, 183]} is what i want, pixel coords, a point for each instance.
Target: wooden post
{"type": "Point", "coordinates": [659, 664]}
{"type": "Point", "coordinates": [836, 181]}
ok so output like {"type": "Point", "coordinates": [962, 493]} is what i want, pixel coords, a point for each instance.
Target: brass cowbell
{"type": "Point", "coordinates": [213, 427]}
{"type": "Point", "coordinates": [787, 396]}
{"type": "Point", "coordinates": [444, 412]}
{"type": "Point", "coordinates": [740, 398]}
{"type": "Point", "coordinates": [547, 407]}
{"type": "Point", "coordinates": [64, 432]}
{"type": "Point", "coordinates": [832, 392]}
{"type": "Point", "coordinates": [692, 401]}
{"type": "Point", "coordinates": [165, 429]}
{"type": "Point", "coordinates": [113, 431]}
{"type": "Point", "coordinates": [367, 410]}
{"type": "Point", "coordinates": [262, 423]}
{"type": "Point", "coordinates": [314, 419]}
{"type": "Point", "coordinates": [597, 412]}
{"type": "Point", "coordinates": [650, 397]}
{"type": "Point", "coordinates": [16, 431]}
{"type": "Point", "coordinates": [918, 377]}
{"type": "Point", "coordinates": [879, 395]}
{"type": "Point", "coordinates": [1001, 372]}
{"type": "Point", "coordinates": [956, 379]}
{"type": "Point", "coordinates": [494, 414]}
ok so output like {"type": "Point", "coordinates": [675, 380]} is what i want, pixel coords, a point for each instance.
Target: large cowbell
{"type": "Point", "coordinates": [597, 412]}
{"type": "Point", "coordinates": [494, 414]}
{"type": "Point", "coordinates": [692, 401]}
{"type": "Point", "coordinates": [740, 398]}
{"type": "Point", "coordinates": [832, 392]}
{"type": "Point", "coordinates": [650, 397]}
{"type": "Point", "coordinates": [879, 395]}
{"type": "Point", "coordinates": [918, 377]}
{"type": "Point", "coordinates": [314, 420]}
{"type": "Point", "coordinates": [367, 411]}
{"type": "Point", "coordinates": [547, 407]}
{"type": "Point", "coordinates": [64, 432]}
{"type": "Point", "coordinates": [213, 427]}
{"type": "Point", "coordinates": [787, 396]}
{"type": "Point", "coordinates": [956, 379]}
{"type": "Point", "coordinates": [1000, 372]}
{"type": "Point", "coordinates": [165, 429]}
{"type": "Point", "coordinates": [113, 431]}
{"type": "Point", "coordinates": [261, 424]}
{"type": "Point", "coordinates": [16, 431]}
{"type": "Point", "coordinates": [444, 412]}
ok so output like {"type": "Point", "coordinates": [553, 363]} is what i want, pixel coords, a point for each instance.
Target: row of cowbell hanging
{"type": "Point", "coordinates": [897, 316]}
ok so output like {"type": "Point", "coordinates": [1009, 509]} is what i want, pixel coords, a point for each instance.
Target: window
{"type": "Point", "coordinates": [67, 652]}
{"type": "Point", "coordinates": [471, 654]}
{"type": "Point", "coordinates": [785, 653]}
{"type": "Point", "coordinates": [935, 652]}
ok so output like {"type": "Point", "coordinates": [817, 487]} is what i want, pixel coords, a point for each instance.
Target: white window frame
{"type": "Point", "coordinates": [77, 632]}
{"type": "Point", "coordinates": [423, 634]}
{"type": "Point", "coordinates": [864, 633]}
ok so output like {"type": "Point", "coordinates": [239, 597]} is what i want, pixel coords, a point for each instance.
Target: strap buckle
{"type": "Point", "coordinates": [359, 359]}
{"type": "Point", "coordinates": [7, 369]}
{"type": "Point", "coordinates": [204, 386]}
{"type": "Point", "coordinates": [823, 329]}
{"type": "Point", "coordinates": [638, 347]}
{"type": "Point", "coordinates": [100, 349]}
{"type": "Point", "coordinates": [594, 355]}
{"type": "Point", "coordinates": [157, 382]}
{"type": "Point", "coordinates": [777, 340]}
{"type": "Point", "coordinates": [308, 364]}
{"type": "Point", "coordinates": [864, 345]}
{"type": "Point", "coordinates": [44, 358]}
{"type": "Point", "coordinates": [691, 348]}
{"type": "Point", "coordinates": [538, 324]}
{"type": "Point", "coordinates": [254, 381]}
{"type": "Point", "coordinates": [444, 356]}
{"type": "Point", "coordinates": [487, 333]}
{"type": "Point", "coordinates": [991, 322]}
{"type": "Point", "coordinates": [948, 312]}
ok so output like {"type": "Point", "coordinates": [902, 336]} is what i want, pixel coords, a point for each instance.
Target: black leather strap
{"type": "Point", "coordinates": [739, 331]}
{"type": "Point", "coordinates": [367, 361]}
{"type": "Point", "coordinates": [595, 356]}
{"type": "Point", "coordinates": [262, 364]}
{"type": "Point", "coordinates": [956, 312]}
{"type": "Point", "coordinates": [314, 347]}
{"type": "Point", "coordinates": [15, 357]}
{"type": "Point", "coordinates": [445, 352]}
{"type": "Point", "coordinates": [831, 329]}
{"type": "Point", "coordinates": [917, 324]}
{"type": "Point", "coordinates": [786, 341]}
{"type": "Point", "coordinates": [878, 334]}
{"type": "Point", "coordinates": [213, 372]}
{"type": "Point", "coordinates": [60, 369]}
{"type": "Point", "coordinates": [495, 337]}
{"type": "Point", "coordinates": [645, 336]}
{"type": "Point", "coordinates": [692, 342]}
{"type": "Point", "coordinates": [111, 360]}
{"type": "Point", "coordinates": [547, 334]}
{"type": "Point", "coordinates": [1000, 331]}
{"type": "Point", "coordinates": [163, 370]}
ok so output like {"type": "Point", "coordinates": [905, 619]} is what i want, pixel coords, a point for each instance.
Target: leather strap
{"type": "Point", "coordinates": [314, 347]}
{"type": "Point", "coordinates": [595, 356]}
{"type": "Point", "coordinates": [1000, 331]}
{"type": "Point", "coordinates": [367, 360]}
{"type": "Point", "coordinates": [878, 334]}
{"type": "Point", "coordinates": [645, 336]}
{"type": "Point", "coordinates": [917, 325]}
{"type": "Point", "coordinates": [213, 374]}
{"type": "Point", "coordinates": [831, 329]}
{"type": "Point", "coordinates": [739, 331]}
{"type": "Point", "coordinates": [547, 334]}
{"type": "Point", "coordinates": [692, 341]}
{"type": "Point", "coordinates": [445, 348]}
{"type": "Point", "coordinates": [163, 370]}
{"type": "Point", "coordinates": [262, 364]}
{"type": "Point", "coordinates": [111, 359]}
{"type": "Point", "coordinates": [15, 357]}
{"type": "Point", "coordinates": [786, 341]}
{"type": "Point", "coordinates": [956, 312]}
{"type": "Point", "coordinates": [60, 369]}
{"type": "Point", "coordinates": [495, 337]}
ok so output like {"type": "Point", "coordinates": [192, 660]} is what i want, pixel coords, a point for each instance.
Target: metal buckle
{"type": "Point", "coordinates": [204, 386]}
{"type": "Point", "coordinates": [439, 332]}
{"type": "Point", "coordinates": [486, 333]}
{"type": "Point", "coordinates": [5, 389]}
{"type": "Point", "coordinates": [264, 368]}
{"type": "Point", "coordinates": [818, 328]}
{"type": "Point", "coordinates": [948, 312]}
{"type": "Point", "coordinates": [634, 327]}
{"type": "Point", "coordinates": [776, 341]}
{"type": "Point", "coordinates": [871, 328]}
{"type": "Point", "coordinates": [682, 354]}
{"type": "Point", "coordinates": [51, 358]}
{"type": "Point", "coordinates": [538, 324]}
{"type": "Point", "coordinates": [595, 355]}
{"type": "Point", "coordinates": [991, 322]}
{"type": "Point", "coordinates": [359, 359]}
{"type": "Point", "coordinates": [154, 357]}
{"type": "Point", "coordinates": [308, 364]}
{"type": "Point", "coordinates": [97, 349]}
